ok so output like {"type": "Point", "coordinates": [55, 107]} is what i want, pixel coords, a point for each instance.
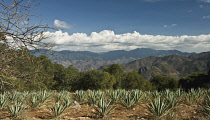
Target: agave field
{"type": "Point", "coordinates": [108, 104]}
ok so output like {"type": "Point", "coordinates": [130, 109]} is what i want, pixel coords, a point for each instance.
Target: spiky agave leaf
{"type": "Point", "coordinates": [80, 95]}
{"type": "Point", "coordinates": [114, 95]}
{"type": "Point", "coordinates": [34, 101]}
{"type": "Point", "coordinates": [58, 109]}
{"type": "Point", "coordinates": [128, 100]}
{"type": "Point", "coordinates": [3, 100]}
{"type": "Point", "coordinates": [16, 109]}
{"type": "Point", "coordinates": [103, 108]}
{"type": "Point", "coordinates": [94, 97]}
{"type": "Point", "coordinates": [158, 108]}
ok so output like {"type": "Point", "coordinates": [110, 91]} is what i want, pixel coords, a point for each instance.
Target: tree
{"type": "Point", "coordinates": [66, 78]}
{"type": "Point", "coordinates": [95, 80]}
{"type": "Point", "coordinates": [16, 23]}
{"type": "Point", "coordinates": [18, 33]}
{"type": "Point", "coordinates": [117, 71]}
{"type": "Point", "coordinates": [194, 80]}
{"type": "Point", "coordinates": [133, 80]}
{"type": "Point", "coordinates": [164, 82]}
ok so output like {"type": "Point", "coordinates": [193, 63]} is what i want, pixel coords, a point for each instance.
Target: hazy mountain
{"type": "Point", "coordinates": [84, 60]}
{"type": "Point", "coordinates": [173, 65]}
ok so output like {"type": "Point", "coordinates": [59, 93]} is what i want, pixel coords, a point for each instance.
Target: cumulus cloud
{"type": "Point", "coordinates": [107, 40]}
{"type": "Point", "coordinates": [61, 24]}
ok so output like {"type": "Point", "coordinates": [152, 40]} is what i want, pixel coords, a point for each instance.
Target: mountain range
{"type": "Point", "coordinates": [85, 60]}
{"type": "Point", "coordinates": [173, 65]}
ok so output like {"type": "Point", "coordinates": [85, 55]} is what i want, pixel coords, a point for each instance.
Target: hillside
{"type": "Point", "coordinates": [85, 60]}
{"type": "Point", "coordinates": [173, 65]}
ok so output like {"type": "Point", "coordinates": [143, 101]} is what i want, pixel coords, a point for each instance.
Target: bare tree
{"type": "Point", "coordinates": [18, 31]}
{"type": "Point", "coordinates": [15, 23]}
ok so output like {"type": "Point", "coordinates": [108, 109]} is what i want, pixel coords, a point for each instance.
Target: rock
{"type": "Point", "coordinates": [76, 105]}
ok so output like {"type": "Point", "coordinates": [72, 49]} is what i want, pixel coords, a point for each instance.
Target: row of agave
{"type": "Point", "coordinates": [159, 104]}
{"type": "Point", "coordinates": [15, 102]}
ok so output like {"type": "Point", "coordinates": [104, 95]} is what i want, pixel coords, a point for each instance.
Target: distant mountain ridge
{"type": "Point", "coordinates": [85, 60]}
{"type": "Point", "coordinates": [173, 65]}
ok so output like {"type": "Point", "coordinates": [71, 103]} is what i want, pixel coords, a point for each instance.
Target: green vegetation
{"type": "Point", "coordinates": [159, 105]}
{"type": "Point", "coordinates": [40, 73]}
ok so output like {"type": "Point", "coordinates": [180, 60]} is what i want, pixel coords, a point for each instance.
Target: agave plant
{"type": "Point", "coordinates": [80, 95]}
{"type": "Point", "coordinates": [171, 99]}
{"type": "Point", "coordinates": [43, 95]}
{"type": "Point", "coordinates": [206, 106]}
{"type": "Point", "coordinates": [67, 101]}
{"type": "Point", "coordinates": [158, 108]}
{"type": "Point", "coordinates": [128, 100]}
{"type": "Point", "coordinates": [60, 95]}
{"type": "Point", "coordinates": [137, 94]}
{"type": "Point", "coordinates": [34, 101]}
{"type": "Point", "coordinates": [194, 96]}
{"type": "Point", "coordinates": [94, 97]}
{"type": "Point", "coordinates": [3, 100]}
{"type": "Point", "coordinates": [114, 96]}
{"type": "Point", "coordinates": [103, 108]}
{"type": "Point", "coordinates": [16, 109]}
{"type": "Point", "coordinates": [58, 109]}
{"type": "Point", "coordinates": [155, 94]}
{"type": "Point", "coordinates": [14, 95]}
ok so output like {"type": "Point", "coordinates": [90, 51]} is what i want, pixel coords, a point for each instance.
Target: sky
{"type": "Point", "coordinates": [105, 25]}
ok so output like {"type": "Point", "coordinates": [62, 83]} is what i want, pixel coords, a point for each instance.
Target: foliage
{"type": "Point", "coordinates": [133, 80]}
{"type": "Point", "coordinates": [80, 95]}
{"type": "Point", "coordinates": [103, 108]}
{"type": "Point", "coordinates": [164, 82]}
{"type": "Point", "coordinates": [3, 100]}
{"type": "Point", "coordinates": [158, 108]}
{"type": "Point", "coordinates": [128, 100]}
{"type": "Point", "coordinates": [58, 109]}
{"type": "Point", "coordinates": [94, 79]}
{"type": "Point", "coordinates": [194, 80]}
{"type": "Point", "coordinates": [18, 33]}
{"type": "Point", "coordinates": [114, 95]}
{"type": "Point", "coordinates": [15, 109]}
{"type": "Point", "coordinates": [117, 71]}
{"type": "Point", "coordinates": [94, 96]}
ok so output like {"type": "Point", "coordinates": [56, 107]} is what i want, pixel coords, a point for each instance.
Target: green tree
{"type": "Point", "coordinates": [117, 71]}
{"type": "Point", "coordinates": [72, 76]}
{"type": "Point", "coordinates": [133, 80]}
{"type": "Point", "coordinates": [194, 80]}
{"type": "Point", "coordinates": [95, 80]}
{"type": "Point", "coordinates": [60, 76]}
{"type": "Point", "coordinates": [164, 82]}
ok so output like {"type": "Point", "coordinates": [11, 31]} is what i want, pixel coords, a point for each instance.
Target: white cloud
{"type": "Point", "coordinates": [206, 1]}
{"type": "Point", "coordinates": [107, 40]}
{"type": "Point", "coordinates": [61, 24]}
{"type": "Point", "coordinates": [206, 17]}
{"type": "Point", "coordinates": [172, 25]}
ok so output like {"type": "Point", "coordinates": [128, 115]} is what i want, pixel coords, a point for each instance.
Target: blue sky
{"type": "Point", "coordinates": [104, 25]}
{"type": "Point", "coordinates": [124, 16]}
